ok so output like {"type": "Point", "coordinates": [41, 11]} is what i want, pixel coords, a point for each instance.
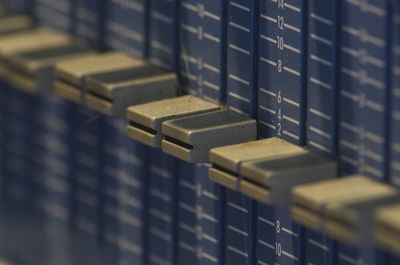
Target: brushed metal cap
{"type": "Point", "coordinates": [71, 74]}
{"type": "Point", "coordinates": [277, 176]}
{"type": "Point", "coordinates": [387, 228]}
{"type": "Point", "coordinates": [112, 93]}
{"type": "Point", "coordinates": [192, 138]}
{"type": "Point", "coordinates": [323, 206]}
{"type": "Point", "coordinates": [33, 71]}
{"type": "Point", "coordinates": [145, 120]}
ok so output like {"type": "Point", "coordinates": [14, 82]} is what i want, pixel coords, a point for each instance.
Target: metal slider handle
{"type": "Point", "coordinates": [387, 228]}
{"type": "Point", "coordinates": [266, 170]}
{"type": "Point", "coordinates": [20, 42]}
{"type": "Point", "coordinates": [342, 207]}
{"type": "Point", "coordinates": [353, 222]}
{"type": "Point", "coordinates": [191, 138]}
{"type": "Point", "coordinates": [71, 74]}
{"type": "Point", "coordinates": [112, 93]}
{"type": "Point", "coordinates": [145, 120]}
{"type": "Point", "coordinates": [14, 23]}
{"type": "Point", "coordinates": [33, 71]}
{"type": "Point", "coordinates": [270, 180]}
{"type": "Point", "coordinates": [227, 160]}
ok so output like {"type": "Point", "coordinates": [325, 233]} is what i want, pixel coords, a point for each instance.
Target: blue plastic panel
{"type": "Point", "coordinates": [348, 255]}
{"type": "Point", "coordinates": [242, 56]}
{"type": "Point", "coordinates": [58, 14]}
{"type": "Point", "coordinates": [200, 225]}
{"type": "Point", "coordinates": [163, 31]}
{"type": "Point", "coordinates": [163, 189]}
{"type": "Point", "coordinates": [363, 99]}
{"type": "Point", "coordinates": [50, 140]}
{"type": "Point", "coordinates": [210, 219]}
{"type": "Point", "coordinates": [282, 70]}
{"type": "Point", "coordinates": [18, 6]}
{"type": "Point", "coordinates": [112, 153]}
{"type": "Point", "coordinates": [133, 177]}
{"type": "Point", "coordinates": [3, 101]}
{"type": "Point", "coordinates": [363, 87]}
{"type": "Point", "coordinates": [188, 230]}
{"type": "Point", "coordinates": [394, 174]}
{"type": "Point", "coordinates": [164, 233]}
{"type": "Point", "coordinates": [125, 26]}
{"type": "Point", "coordinates": [239, 211]}
{"type": "Point", "coordinates": [319, 249]}
{"type": "Point", "coordinates": [86, 172]}
{"type": "Point", "coordinates": [322, 90]}
{"type": "Point", "coordinates": [201, 48]}
{"type": "Point", "coordinates": [393, 260]}
{"type": "Point", "coordinates": [89, 21]}
{"type": "Point", "coordinates": [282, 95]}
{"type": "Point", "coordinates": [322, 63]}
{"type": "Point", "coordinates": [202, 73]}
{"type": "Point", "coordinates": [15, 147]}
{"type": "Point", "coordinates": [279, 241]}
{"type": "Point", "coordinates": [242, 62]}
{"type": "Point", "coordinates": [87, 132]}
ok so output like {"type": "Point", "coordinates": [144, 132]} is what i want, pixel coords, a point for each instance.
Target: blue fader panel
{"type": "Point", "coordinates": [348, 255]}
{"type": "Point", "coordinates": [363, 99]}
{"type": "Point", "coordinates": [124, 211]}
{"type": "Point", "coordinates": [188, 230]}
{"type": "Point", "coordinates": [89, 21]}
{"type": "Point", "coordinates": [241, 59]}
{"type": "Point", "coordinates": [162, 208]}
{"type": "Point", "coordinates": [163, 31]}
{"type": "Point", "coordinates": [242, 97]}
{"type": "Point", "coordinates": [88, 125]}
{"type": "Point", "coordinates": [200, 225]}
{"type": "Point", "coordinates": [394, 173]}
{"type": "Point", "coordinates": [111, 163]}
{"type": "Point", "coordinates": [202, 57]}
{"type": "Point", "coordinates": [50, 156]}
{"type": "Point", "coordinates": [278, 239]}
{"type": "Point", "coordinates": [322, 63]}
{"type": "Point", "coordinates": [58, 14]}
{"type": "Point", "coordinates": [364, 88]}
{"type": "Point", "coordinates": [51, 134]}
{"type": "Point", "coordinates": [239, 213]}
{"type": "Point", "coordinates": [14, 151]}
{"type": "Point", "coordinates": [201, 48]}
{"type": "Point", "coordinates": [322, 104]}
{"type": "Point", "coordinates": [17, 6]}
{"type": "Point", "coordinates": [14, 145]}
{"type": "Point", "coordinates": [394, 151]}
{"type": "Point", "coordinates": [200, 219]}
{"type": "Point", "coordinates": [163, 177]}
{"type": "Point", "coordinates": [123, 192]}
{"type": "Point", "coordinates": [133, 179]}
{"type": "Point", "coordinates": [125, 26]}
{"type": "Point", "coordinates": [282, 68]}
{"type": "Point", "coordinates": [86, 169]}
{"type": "Point", "coordinates": [210, 199]}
